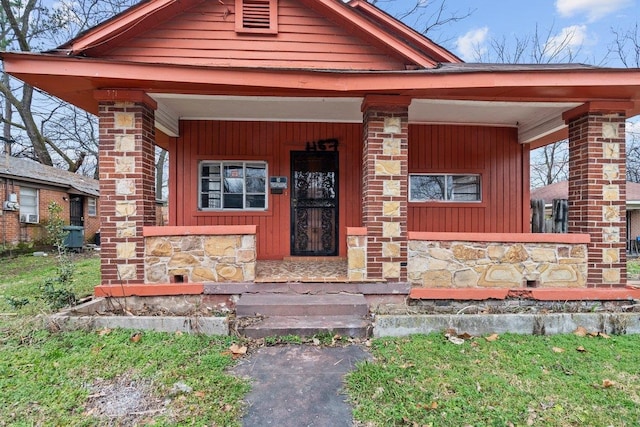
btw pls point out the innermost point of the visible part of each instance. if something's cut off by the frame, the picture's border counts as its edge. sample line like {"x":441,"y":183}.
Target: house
{"x":560,"y":190}
{"x":26,"y":190}
{"x":325,"y":129}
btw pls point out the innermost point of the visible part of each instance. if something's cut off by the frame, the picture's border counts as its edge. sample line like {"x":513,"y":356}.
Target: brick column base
{"x":127,"y":183}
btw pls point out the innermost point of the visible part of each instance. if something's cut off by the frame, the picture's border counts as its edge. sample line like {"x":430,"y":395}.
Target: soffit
{"x":532,"y":119}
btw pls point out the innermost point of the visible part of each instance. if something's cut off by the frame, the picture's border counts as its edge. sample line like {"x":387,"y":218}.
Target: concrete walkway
{"x":296,"y":386}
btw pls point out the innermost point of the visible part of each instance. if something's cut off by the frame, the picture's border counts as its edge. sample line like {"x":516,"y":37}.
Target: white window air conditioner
{"x":29,"y":218}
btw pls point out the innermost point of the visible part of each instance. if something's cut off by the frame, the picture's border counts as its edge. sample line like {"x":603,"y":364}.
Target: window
{"x":257,"y":16}
{"x":29,"y":205}
{"x":233,"y":185}
{"x":444,"y":187}
{"x":92,"y":206}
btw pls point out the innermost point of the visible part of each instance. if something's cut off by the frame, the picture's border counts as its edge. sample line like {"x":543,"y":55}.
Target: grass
{"x":633,"y":266}
{"x":22,"y":276}
{"x":49,"y":378}
{"x":514,"y":381}
{"x":67,"y":378}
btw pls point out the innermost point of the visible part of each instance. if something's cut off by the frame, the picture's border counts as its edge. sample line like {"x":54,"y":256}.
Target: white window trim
{"x":445,"y":175}
{"x":244,"y":164}
{"x":36,"y":208}
{"x":95,"y":206}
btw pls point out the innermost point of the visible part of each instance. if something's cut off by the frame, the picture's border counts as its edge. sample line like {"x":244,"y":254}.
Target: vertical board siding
{"x":205,"y":36}
{"x":491,"y":151}
{"x":272,"y":142}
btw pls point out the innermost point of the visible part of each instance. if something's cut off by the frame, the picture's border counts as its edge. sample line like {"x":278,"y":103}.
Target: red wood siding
{"x":492,"y":152}
{"x":205,"y":35}
{"x":272,"y":142}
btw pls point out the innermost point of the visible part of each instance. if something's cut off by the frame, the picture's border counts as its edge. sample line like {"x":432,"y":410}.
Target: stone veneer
{"x":227,"y":255}
{"x":356,"y":253}
{"x":481,"y":264}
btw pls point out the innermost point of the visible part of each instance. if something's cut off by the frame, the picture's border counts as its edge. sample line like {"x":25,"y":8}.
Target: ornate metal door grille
{"x":314,"y":203}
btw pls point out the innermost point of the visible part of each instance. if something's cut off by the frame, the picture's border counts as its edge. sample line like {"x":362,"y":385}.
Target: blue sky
{"x":585,"y":25}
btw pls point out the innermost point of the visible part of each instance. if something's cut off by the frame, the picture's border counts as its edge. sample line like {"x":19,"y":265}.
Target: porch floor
{"x":317,"y":270}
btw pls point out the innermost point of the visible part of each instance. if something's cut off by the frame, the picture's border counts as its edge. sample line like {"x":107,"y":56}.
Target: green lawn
{"x":514,"y":381}
{"x":49,"y":377}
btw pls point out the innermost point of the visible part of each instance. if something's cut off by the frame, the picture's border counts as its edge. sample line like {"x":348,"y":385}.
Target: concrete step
{"x":305,"y":326}
{"x":270,"y":305}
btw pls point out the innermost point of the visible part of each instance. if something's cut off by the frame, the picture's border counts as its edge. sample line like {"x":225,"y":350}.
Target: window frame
{"x":36,"y":206}
{"x":273,"y":19}
{"x":228,"y":162}
{"x":90,"y":201}
{"x":481,"y":196}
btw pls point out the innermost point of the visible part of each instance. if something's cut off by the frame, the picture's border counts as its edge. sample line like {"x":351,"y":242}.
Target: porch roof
{"x":529,"y":97}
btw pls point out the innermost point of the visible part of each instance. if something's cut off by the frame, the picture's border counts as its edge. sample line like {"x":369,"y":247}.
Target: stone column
{"x":127,"y":182}
{"x":384,"y":184}
{"x":597,"y":188}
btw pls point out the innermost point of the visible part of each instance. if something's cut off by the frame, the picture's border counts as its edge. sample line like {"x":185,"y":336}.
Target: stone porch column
{"x":597,"y":188}
{"x":385,"y":185}
{"x":127,"y":182}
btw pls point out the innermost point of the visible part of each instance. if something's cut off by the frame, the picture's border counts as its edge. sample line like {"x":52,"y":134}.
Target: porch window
{"x":233,"y":185}
{"x":444,"y":187}
{"x":91,"y":206}
{"x":257,"y":16}
{"x":29,"y":205}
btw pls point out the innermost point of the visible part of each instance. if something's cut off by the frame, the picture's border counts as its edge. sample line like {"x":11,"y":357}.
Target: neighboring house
{"x":560,"y":190}
{"x":319,"y":128}
{"x":26,"y":190}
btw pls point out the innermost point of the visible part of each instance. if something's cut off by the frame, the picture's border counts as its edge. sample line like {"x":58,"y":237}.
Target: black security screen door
{"x":76,"y":212}
{"x":314,"y":203}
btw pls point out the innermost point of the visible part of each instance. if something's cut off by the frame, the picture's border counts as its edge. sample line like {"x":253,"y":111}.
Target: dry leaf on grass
{"x":581,"y":349}
{"x":557,"y":350}
{"x":580,"y":331}
{"x":135,"y":337}
{"x":456,"y":340}
{"x":607,"y":383}
{"x":104,"y":331}
{"x":238,"y":350}
{"x":465,"y":336}
{"x":492,"y":337}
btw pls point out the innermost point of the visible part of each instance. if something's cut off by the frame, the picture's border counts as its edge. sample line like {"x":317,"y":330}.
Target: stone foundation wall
{"x":459,"y":264}
{"x":200,"y":258}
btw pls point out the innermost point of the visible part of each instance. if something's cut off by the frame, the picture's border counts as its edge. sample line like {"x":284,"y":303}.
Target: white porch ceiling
{"x":533,"y":119}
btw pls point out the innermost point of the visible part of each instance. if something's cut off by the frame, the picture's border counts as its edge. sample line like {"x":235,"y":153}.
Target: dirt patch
{"x":124,"y":401}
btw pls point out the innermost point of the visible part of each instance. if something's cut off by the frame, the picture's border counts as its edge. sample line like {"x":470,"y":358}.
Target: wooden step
{"x":306,"y":326}
{"x":270,"y":305}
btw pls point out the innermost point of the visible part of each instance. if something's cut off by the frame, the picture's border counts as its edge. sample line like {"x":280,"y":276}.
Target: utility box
{"x":75,"y":237}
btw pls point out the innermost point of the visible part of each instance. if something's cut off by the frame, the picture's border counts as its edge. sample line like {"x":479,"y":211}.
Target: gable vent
{"x":256,"y":16}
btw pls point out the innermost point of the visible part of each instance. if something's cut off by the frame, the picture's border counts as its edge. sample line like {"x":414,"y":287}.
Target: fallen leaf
{"x":580,"y":331}
{"x":456,"y":340}
{"x":475,"y":344}
{"x":104,"y":331}
{"x":367,"y":343}
{"x":429,"y":406}
{"x":581,"y":349}
{"x":239,"y":350}
{"x":465,"y":336}
{"x":593,"y":334}
{"x":557,"y":350}
{"x":316,"y":341}
{"x":450,"y":333}
{"x":608,"y":383}
{"x":492,"y":337}
{"x":603,"y":335}
{"x":178,"y":333}
{"x":199,"y":394}
{"x":135,"y":337}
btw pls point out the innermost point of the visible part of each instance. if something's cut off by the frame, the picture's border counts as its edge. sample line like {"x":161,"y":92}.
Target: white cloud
{"x":471,"y":46}
{"x":569,"y":39}
{"x":593,"y":9}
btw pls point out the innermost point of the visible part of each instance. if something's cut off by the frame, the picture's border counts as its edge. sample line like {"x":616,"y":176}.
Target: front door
{"x":314,"y":203}
{"x":76,"y":211}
